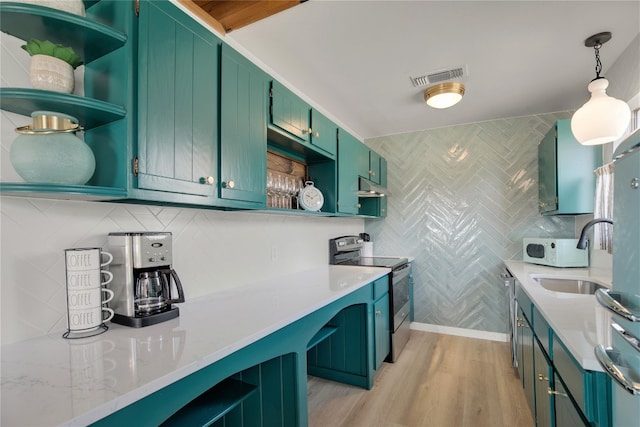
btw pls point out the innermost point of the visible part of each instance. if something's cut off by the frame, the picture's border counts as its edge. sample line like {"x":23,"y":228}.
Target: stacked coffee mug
{"x":86,"y":294}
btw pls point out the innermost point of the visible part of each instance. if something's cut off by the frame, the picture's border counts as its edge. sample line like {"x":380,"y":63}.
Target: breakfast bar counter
{"x":54,"y":381}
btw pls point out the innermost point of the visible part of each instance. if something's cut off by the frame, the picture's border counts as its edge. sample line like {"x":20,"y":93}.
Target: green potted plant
{"x":52,"y":65}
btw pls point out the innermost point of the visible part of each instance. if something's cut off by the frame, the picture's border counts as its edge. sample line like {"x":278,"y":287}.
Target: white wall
{"x":213,"y":250}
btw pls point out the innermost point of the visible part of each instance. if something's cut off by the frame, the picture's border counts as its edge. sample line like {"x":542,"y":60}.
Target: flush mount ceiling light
{"x":602,"y":119}
{"x":444,"y":95}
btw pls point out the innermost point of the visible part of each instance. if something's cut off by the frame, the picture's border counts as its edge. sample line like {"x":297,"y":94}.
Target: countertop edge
{"x":574,"y":339}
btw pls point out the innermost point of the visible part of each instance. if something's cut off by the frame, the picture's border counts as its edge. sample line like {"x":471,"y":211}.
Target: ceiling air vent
{"x":439,"y":76}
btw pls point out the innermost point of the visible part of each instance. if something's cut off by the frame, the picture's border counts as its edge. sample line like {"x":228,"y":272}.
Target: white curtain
{"x":602,"y":233}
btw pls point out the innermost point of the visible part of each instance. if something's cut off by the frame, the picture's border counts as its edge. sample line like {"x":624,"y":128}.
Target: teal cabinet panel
{"x":288,"y":112}
{"x":324,"y":133}
{"x":374,"y":166}
{"x":566,"y":413}
{"x":383,"y":172}
{"x":525,"y":366}
{"x":362,"y":160}
{"x":382,"y":330}
{"x":243,"y":136}
{"x":348,"y":151}
{"x":547,"y":175}
{"x":543,"y":371}
{"x":178,"y":102}
{"x":565,"y":172}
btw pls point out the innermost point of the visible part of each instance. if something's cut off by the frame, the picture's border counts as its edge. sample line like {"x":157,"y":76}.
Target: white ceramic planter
{"x":49,"y":73}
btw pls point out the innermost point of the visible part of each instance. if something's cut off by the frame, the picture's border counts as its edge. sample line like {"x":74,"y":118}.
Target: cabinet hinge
{"x":136,"y":7}
{"x":556,"y":200}
{"x":135,"y":166}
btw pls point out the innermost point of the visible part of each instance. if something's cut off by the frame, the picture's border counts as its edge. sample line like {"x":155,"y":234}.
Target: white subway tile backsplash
{"x":213,"y":250}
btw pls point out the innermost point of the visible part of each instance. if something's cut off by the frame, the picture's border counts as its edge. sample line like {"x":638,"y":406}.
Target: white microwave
{"x":554,"y":252}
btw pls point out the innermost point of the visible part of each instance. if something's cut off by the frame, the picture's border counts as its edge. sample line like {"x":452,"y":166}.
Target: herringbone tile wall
{"x":461,"y":200}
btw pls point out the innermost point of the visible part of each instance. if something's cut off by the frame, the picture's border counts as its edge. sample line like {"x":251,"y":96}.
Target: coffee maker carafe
{"x":143,"y":280}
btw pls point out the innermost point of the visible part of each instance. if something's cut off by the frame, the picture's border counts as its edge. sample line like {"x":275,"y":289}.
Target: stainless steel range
{"x":346,"y":251}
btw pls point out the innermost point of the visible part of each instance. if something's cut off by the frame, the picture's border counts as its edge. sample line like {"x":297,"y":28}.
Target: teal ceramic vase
{"x":49,"y":152}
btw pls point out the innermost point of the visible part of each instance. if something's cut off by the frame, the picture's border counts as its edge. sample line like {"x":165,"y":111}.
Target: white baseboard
{"x":469,"y":333}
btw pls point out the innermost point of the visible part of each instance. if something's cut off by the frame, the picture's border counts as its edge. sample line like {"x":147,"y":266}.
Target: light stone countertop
{"x":573,"y":317}
{"x":52,"y":381}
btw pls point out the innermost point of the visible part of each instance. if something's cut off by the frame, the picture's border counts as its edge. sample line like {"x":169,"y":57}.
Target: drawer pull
{"x":606,"y":299}
{"x":551,"y":392}
{"x":612,"y":368}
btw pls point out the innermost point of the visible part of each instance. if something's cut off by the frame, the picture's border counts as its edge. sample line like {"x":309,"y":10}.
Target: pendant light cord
{"x":598,"y":63}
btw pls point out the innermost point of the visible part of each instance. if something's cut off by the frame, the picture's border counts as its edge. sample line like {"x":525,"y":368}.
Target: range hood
{"x":368,"y":188}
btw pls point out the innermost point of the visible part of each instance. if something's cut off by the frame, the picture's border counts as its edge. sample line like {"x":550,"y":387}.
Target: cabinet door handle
{"x":316,"y":135}
{"x":207,"y":180}
{"x":542,"y":378}
{"x":358,"y":205}
{"x":378,"y":313}
{"x":551,"y":392}
{"x":229,"y":184}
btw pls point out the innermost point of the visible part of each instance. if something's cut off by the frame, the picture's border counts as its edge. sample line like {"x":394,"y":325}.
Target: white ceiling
{"x":353,"y":59}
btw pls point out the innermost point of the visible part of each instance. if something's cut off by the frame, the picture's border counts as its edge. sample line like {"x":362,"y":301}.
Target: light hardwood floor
{"x":438,"y":381}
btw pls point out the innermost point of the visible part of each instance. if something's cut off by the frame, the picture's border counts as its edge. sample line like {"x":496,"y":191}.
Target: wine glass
{"x":279,"y":189}
{"x":270,"y":189}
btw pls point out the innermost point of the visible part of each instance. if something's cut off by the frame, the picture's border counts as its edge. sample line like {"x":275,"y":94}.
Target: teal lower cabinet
{"x":543,"y":371}
{"x":567,"y":415}
{"x":382,"y":330}
{"x":265,"y":383}
{"x":560,"y":393}
{"x":525,"y":362}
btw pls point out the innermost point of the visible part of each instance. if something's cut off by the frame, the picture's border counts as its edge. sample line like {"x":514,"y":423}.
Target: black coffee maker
{"x":143,"y":280}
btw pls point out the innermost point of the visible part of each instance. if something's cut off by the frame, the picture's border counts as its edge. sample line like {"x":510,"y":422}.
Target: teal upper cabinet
{"x":566,"y":180}
{"x":362,"y":160}
{"x":288,"y":112}
{"x":243,"y":136}
{"x":323,"y":133}
{"x":296,"y":127}
{"x":374,"y":166}
{"x":348,"y":151}
{"x":178,"y":103}
{"x":371,"y":165}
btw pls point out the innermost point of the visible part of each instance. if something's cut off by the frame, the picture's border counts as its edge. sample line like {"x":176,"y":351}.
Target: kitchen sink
{"x":569,"y":285}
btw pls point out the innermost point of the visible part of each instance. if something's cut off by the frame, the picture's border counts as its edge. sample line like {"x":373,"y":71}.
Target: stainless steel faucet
{"x":582,"y":243}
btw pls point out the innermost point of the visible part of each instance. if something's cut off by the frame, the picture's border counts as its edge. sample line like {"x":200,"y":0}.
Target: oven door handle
{"x":402,"y":272}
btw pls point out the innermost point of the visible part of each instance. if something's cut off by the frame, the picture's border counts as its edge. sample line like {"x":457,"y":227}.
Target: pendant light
{"x":602,"y":119}
{"x":444,"y":95}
